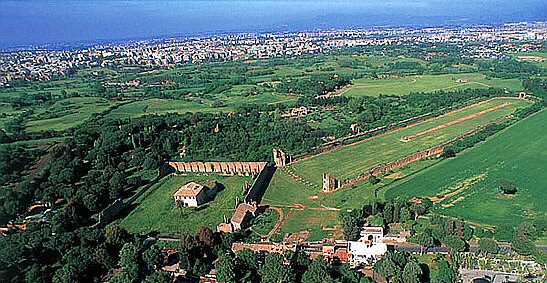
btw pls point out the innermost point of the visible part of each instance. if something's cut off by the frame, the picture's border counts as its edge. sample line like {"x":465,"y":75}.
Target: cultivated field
{"x":517,"y":153}
{"x":156,"y":210}
{"x":428,"y":83}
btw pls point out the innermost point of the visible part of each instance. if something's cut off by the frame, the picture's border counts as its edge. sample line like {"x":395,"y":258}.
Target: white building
{"x":369,"y":245}
{"x":373,"y":234}
{"x":193,"y":194}
{"x":361,"y":251}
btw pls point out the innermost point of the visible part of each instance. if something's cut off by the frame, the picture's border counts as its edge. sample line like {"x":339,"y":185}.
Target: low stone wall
{"x":226,"y":168}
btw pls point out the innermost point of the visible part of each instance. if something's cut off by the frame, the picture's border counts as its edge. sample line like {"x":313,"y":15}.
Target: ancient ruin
{"x":331,"y":184}
{"x":428,"y":131}
{"x":281,"y":158}
{"x":223,"y":168}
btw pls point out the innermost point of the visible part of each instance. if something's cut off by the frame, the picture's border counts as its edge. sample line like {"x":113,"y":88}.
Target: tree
{"x":373,"y":180}
{"x":129,"y":255}
{"x":247,"y":259}
{"x":35,"y":274}
{"x":455,"y":243}
{"x":117,"y":185}
{"x":225,"y":268}
{"x":489,"y":246}
{"x":184,"y":258}
{"x":405,"y":214}
{"x":350,"y":228}
{"x":274,"y":271}
{"x":205,"y":234}
{"x":386,"y":267}
{"x":159,"y":277}
{"x":448,"y":153}
{"x":199,"y":268}
{"x":349,"y":275}
{"x":508,"y":187}
{"x":523,"y":245}
{"x":116,"y":235}
{"x":388,"y":212}
{"x":445,"y":273}
{"x":102,"y":256}
{"x":412,"y":272}
{"x":318,"y":272}
{"x":424,"y":240}
{"x":418,"y":209}
{"x":153,"y":257}
{"x":91,"y":202}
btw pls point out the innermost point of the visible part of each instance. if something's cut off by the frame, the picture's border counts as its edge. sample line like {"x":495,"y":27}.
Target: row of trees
{"x":381,"y":214}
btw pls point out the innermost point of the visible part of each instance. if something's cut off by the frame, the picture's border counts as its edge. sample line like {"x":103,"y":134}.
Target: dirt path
{"x":278,"y":223}
{"x":471,"y":116}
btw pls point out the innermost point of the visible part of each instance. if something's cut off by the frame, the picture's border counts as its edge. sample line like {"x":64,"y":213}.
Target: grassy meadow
{"x":516,"y":153}
{"x":315,"y":209}
{"x":156,"y":210}
{"x":66,"y":113}
{"x":427,"y":83}
{"x":352,"y":160}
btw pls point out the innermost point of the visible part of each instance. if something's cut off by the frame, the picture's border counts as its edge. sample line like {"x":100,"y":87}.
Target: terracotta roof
{"x":191,"y":189}
{"x":372,"y":230}
{"x":240,"y":212}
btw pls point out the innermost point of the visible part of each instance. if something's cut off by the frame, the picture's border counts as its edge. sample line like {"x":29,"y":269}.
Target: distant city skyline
{"x":54,"y":22}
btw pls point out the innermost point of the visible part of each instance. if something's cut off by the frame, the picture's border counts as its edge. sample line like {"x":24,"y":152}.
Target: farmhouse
{"x":193,"y":194}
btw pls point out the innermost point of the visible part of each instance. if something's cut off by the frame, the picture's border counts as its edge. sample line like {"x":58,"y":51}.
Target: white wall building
{"x":192,"y":194}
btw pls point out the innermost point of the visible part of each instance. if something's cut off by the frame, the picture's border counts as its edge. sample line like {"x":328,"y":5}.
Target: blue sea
{"x":39,"y":22}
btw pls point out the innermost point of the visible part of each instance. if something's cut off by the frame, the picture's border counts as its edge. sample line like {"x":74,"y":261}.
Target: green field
{"x":66,"y":113}
{"x":427,"y":83}
{"x":156,"y":210}
{"x":351,"y":160}
{"x":516,"y":153}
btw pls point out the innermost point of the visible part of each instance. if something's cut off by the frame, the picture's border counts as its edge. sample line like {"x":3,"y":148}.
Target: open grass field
{"x":156,"y":210}
{"x":517,"y":153}
{"x":352,"y":160}
{"x":427,"y":83}
{"x":162,"y":106}
{"x":349,"y":161}
{"x":66,"y":113}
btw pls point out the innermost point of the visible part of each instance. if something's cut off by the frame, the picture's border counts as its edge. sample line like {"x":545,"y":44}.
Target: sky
{"x":69,"y":21}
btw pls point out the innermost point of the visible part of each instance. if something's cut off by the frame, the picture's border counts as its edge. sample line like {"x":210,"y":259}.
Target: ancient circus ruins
{"x":330,"y":183}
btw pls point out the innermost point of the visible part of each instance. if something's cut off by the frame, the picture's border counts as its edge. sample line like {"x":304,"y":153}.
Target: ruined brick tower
{"x":280,"y":158}
{"x":329,"y":183}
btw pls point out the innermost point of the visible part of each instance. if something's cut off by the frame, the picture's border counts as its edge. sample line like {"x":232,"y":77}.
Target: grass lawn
{"x":264,"y":223}
{"x":349,"y":161}
{"x":66,"y":113}
{"x":427,"y":83}
{"x":352,"y":160}
{"x":516,"y":153}
{"x":156,"y":210}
